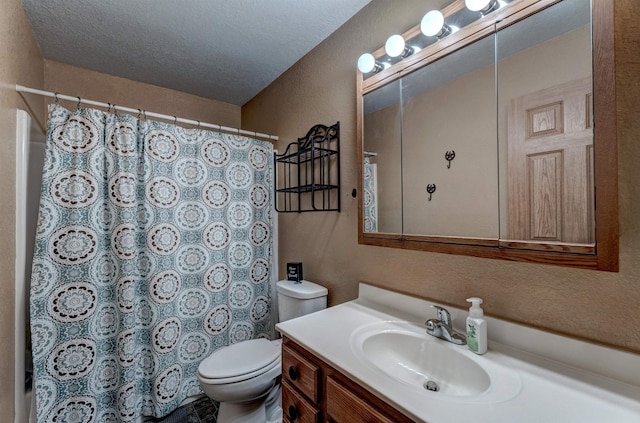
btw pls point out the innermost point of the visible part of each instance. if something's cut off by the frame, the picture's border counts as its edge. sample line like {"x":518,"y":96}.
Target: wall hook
{"x":449,"y":155}
{"x":431,"y":188}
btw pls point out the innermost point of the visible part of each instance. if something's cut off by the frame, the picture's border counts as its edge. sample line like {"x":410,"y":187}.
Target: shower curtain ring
{"x":57,"y":99}
{"x":139,"y":113}
{"x":198,"y":127}
{"x":78,"y":103}
{"x":175,"y":120}
{"x":144,"y":114}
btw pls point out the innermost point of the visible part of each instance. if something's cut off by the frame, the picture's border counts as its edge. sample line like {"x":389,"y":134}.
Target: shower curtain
{"x":370,"y":196}
{"x":153,"y":249}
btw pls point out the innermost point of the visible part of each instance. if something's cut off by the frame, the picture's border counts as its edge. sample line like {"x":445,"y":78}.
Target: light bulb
{"x":394,"y":46}
{"x":366,"y":63}
{"x":432,"y":24}
{"x":482,"y":6}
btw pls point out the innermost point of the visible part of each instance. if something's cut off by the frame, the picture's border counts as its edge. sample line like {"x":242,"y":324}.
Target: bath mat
{"x":203,"y":410}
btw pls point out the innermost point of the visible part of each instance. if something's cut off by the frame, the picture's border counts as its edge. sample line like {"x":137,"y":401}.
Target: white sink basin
{"x":405,"y":353}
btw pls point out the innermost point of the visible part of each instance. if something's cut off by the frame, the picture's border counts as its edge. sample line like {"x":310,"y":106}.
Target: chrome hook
{"x":78,"y":103}
{"x":57,"y":99}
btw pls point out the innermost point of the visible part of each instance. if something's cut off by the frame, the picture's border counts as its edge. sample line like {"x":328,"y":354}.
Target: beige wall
{"x":20,"y":63}
{"x":74,"y":81}
{"x":321,"y":88}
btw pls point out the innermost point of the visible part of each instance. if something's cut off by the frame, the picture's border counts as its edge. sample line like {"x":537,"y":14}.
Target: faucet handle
{"x":443,"y":315}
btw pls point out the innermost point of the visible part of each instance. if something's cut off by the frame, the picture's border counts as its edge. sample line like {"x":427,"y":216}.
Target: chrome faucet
{"x":441,"y":327}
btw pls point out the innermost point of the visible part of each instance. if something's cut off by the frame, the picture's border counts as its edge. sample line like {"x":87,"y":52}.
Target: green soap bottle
{"x":476,"y":327}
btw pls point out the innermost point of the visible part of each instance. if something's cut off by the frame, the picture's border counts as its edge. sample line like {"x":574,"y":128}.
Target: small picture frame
{"x":294,"y":272}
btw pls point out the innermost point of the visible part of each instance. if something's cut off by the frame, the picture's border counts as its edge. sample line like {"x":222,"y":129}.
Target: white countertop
{"x":550,"y":391}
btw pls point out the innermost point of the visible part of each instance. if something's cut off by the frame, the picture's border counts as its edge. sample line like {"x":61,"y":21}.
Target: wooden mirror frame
{"x":605,"y":255}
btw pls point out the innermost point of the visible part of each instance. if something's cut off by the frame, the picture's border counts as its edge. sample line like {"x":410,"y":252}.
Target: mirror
{"x":449,"y":106}
{"x":382,"y":162}
{"x":484,"y":142}
{"x":544,"y":74}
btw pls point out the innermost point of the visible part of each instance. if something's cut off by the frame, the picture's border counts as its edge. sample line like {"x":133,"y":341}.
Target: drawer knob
{"x":293,"y":373}
{"x":293,"y":413}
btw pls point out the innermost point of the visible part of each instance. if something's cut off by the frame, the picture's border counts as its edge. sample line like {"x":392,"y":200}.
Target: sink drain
{"x":431,"y":386}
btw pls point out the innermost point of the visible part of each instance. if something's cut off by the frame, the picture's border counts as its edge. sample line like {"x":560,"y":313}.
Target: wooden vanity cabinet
{"x":315,"y":392}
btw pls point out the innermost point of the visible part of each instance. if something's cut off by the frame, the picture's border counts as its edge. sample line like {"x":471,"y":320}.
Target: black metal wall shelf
{"x":309,"y":166}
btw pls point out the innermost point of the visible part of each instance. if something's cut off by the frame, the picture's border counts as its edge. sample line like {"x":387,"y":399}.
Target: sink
{"x":403,"y":352}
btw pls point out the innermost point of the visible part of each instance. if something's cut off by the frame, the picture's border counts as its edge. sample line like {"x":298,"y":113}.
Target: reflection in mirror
{"x":450,"y":105}
{"x":545,"y":126}
{"x":382,"y":167}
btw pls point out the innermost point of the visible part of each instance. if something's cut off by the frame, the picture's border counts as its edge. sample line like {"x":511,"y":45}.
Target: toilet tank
{"x":296,"y":299}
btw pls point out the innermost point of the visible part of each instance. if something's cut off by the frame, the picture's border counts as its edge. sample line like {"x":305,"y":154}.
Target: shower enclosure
{"x":29,"y":162}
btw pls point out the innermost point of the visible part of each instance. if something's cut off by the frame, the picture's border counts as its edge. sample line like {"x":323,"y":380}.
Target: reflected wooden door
{"x":550,"y":164}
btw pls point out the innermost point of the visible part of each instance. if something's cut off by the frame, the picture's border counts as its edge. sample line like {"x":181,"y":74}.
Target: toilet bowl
{"x":244,"y":377}
{"x":241,"y":372}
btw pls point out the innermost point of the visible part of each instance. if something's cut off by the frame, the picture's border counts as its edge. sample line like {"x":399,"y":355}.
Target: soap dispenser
{"x":476,"y":327}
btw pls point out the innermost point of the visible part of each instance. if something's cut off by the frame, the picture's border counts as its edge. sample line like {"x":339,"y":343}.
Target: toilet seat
{"x":240,"y":361}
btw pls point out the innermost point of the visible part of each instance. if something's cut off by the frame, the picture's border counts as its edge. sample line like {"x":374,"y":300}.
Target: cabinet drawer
{"x":301,"y":373}
{"x":296,"y":408}
{"x":343,"y":406}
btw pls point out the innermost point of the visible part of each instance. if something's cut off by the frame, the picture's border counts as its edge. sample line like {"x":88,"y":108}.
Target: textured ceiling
{"x":226,"y":50}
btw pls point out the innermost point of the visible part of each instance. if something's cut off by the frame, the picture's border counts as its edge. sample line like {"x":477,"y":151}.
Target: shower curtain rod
{"x":20,"y":88}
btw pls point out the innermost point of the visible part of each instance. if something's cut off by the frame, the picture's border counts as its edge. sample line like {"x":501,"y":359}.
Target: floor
{"x":203,"y":410}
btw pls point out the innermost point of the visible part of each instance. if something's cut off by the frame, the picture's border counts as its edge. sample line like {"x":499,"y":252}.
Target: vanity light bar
{"x":432,"y":25}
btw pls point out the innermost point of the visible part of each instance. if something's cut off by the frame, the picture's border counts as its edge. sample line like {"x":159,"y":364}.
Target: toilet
{"x":244,"y":377}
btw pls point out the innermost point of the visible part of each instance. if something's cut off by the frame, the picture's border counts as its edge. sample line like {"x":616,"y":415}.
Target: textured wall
{"x":74,"y":81}
{"x":321,"y":88}
{"x":20,"y":63}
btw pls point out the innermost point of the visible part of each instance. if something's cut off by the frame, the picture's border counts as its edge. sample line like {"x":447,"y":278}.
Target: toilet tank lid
{"x":303,"y":290}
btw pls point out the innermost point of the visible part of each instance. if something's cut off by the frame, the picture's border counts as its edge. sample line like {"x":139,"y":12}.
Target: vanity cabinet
{"x":313,"y":391}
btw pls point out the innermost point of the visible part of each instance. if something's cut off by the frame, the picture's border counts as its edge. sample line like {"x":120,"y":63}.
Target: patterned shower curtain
{"x":153,"y":249}
{"x":370,"y":196}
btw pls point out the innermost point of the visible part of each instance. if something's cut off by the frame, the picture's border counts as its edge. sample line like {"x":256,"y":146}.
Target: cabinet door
{"x":296,"y":408}
{"x":343,"y":406}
